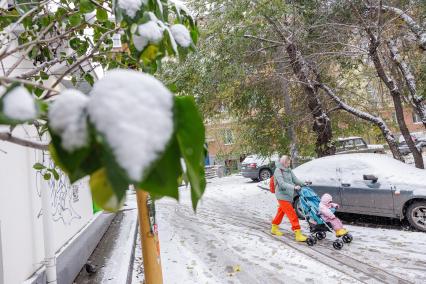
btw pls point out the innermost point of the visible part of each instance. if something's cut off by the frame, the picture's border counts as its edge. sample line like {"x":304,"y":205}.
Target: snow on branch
{"x":7,"y":136}
{"x":415,"y":99}
{"x":415,"y":28}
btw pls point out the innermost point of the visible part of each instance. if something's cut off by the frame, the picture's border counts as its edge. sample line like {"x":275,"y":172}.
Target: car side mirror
{"x":372,"y":178}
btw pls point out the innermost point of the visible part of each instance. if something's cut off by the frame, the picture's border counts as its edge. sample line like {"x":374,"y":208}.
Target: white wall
{"x":20,"y":209}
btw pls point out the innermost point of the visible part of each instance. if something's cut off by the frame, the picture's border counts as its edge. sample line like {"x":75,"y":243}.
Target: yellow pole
{"x":150,"y":242}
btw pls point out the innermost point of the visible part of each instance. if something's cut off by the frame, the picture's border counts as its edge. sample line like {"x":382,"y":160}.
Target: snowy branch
{"x":378,"y":121}
{"x":27,"y":82}
{"x":415,"y":99}
{"x":415,"y":28}
{"x":7,"y":136}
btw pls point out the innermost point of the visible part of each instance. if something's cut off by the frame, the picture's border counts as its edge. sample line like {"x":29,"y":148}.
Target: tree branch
{"x":264,"y":39}
{"x":415,"y":28}
{"x":415,"y":100}
{"x":7,"y":136}
{"x":80,"y":60}
{"x":26,"y":82}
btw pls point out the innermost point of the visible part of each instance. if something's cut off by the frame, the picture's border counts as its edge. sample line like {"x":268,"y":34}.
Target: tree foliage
{"x":68,"y":41}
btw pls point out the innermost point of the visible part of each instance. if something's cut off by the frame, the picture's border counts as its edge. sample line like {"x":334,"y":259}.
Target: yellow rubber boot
{"x":275,"y":230}
{"x":341,"y":232}
{"x":299,"y":236}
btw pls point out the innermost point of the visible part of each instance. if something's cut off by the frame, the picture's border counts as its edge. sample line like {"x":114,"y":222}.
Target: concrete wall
{"x":20,"y":209}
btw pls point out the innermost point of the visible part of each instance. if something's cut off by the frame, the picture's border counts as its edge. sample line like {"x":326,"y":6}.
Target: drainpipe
{"x":48,"y":237}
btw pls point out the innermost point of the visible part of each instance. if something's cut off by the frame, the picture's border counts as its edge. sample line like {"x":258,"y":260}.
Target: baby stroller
{"x":309,"y":204}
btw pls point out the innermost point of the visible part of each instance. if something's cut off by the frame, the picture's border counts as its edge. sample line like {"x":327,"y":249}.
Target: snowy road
{"x":227,"y":241}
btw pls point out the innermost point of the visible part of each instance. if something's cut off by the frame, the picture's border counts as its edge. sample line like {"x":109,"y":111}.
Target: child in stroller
{"x":320,"y":216}
{"x":327,"y":214}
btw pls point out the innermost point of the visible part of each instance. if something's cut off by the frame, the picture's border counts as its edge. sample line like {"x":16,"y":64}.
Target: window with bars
{"x":228,"y":137}
{"x":416,"y":117}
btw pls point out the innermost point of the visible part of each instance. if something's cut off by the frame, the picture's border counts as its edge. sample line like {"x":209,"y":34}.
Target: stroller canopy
{"x":309,"y":203}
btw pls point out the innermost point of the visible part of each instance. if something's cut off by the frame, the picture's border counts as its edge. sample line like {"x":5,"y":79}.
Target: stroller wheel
{"x":320,"y":235}
{"x":347,"y":238}
{"x":338,"y":244}
{"x":310,"y":241}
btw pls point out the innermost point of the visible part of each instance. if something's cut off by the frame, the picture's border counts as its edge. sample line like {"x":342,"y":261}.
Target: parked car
{"x":257,"y":167}
{"x":357,"y":145}
{"x":419,"y":142}
{"x":369,"y":184}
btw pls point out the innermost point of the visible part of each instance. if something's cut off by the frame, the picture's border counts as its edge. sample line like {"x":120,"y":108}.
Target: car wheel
{"x":298,"y":210}
{"x":416,"y":215}
{"x":264,"y":174}
{"x":255,"y":179}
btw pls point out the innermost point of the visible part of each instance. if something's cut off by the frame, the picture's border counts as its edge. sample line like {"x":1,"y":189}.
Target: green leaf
{"x":117,"y":177}
{"x":191,"y":138}
{"x":162,"y":179}
{"x":55,"y":173}
{"x":89,"y":79}
{"x":149,"y":54}
{"x":43,"y":75}
{"x":46,"y":176}
{"x":38,"y":166}
{"x":102,"y":192}
{"x":101,"y":15}
{"x":76,"y":164}
{"x":86,"y":6}
{"x":75,"y":19}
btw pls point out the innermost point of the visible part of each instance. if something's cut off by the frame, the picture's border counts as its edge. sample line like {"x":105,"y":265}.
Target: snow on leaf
{"x":19,"y":104}
{"x":149,"y":32}
{"x":181,"y":35}
{"x":134,"y":112}
{"x":139,"y":42}
{"x":68,"y":119}
{"x":180,"y":6}
{"x":90,"y":18}
{"x":160,"y":6}
{"x":131,"y":7}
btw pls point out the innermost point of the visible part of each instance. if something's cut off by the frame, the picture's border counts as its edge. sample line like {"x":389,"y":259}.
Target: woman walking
{"x":286,"y":183}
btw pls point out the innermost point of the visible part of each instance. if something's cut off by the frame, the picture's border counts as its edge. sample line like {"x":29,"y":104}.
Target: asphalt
{"x":112,"y":260}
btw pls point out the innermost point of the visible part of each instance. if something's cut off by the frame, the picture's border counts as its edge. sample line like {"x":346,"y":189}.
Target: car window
{"x":359,"y":142}
{"x":349,"y":144}
{"x":352,"y":172}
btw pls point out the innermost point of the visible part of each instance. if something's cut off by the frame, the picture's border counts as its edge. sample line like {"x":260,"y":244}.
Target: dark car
{"x":403,"y":147}
{"x":357,"y":145}
{"x":369,"y":184}
{"x":256,"y":167}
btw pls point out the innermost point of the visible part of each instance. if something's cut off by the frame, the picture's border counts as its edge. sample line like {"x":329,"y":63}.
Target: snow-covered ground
{"x":228,"y":241}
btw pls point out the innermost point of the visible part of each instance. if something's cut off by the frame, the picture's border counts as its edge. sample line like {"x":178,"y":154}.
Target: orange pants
{"x":286,"y":208}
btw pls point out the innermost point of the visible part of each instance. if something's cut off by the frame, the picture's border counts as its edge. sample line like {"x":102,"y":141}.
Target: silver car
{"x":258,"y":168}
{"x":370,"y":184}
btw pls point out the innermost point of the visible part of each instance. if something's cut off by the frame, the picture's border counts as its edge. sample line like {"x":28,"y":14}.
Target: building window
{"x":228,"y":137}
{"x":416,"y":118}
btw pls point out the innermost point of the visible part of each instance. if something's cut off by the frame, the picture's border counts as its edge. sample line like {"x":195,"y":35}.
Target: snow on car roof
{"x":384,"y":167}
{"x":348,"y":138}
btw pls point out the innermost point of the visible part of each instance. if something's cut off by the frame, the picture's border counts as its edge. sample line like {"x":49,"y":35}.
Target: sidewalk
{"x":113,"y":257}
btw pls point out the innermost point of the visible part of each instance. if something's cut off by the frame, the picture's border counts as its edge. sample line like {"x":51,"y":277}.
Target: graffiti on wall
{"x":63,"y":195}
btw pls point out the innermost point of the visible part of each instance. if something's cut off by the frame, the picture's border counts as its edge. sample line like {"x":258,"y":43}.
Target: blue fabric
{"x":309,"y":202}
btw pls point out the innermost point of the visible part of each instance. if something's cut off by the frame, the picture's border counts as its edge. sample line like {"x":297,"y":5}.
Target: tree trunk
{"x":386,"y":132}
{"x":294,"y":153}
{"x":322,"y":123}
{"x":418,"y":159}
{"x":290,"y":131}
{"x":415,"y":100}
{"x":396,"y":97}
